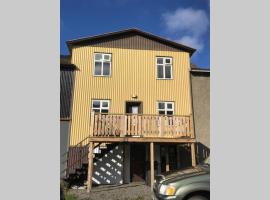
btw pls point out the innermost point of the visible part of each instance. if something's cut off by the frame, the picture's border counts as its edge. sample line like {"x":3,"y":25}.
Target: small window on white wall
{"x":102,"y":64}
{"x":100,"y":106}
{"x":164,"y":67}
{"x":165,"y":108}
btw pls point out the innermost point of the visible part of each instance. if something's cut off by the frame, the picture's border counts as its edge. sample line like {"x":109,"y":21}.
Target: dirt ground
{"x":132,"y":191}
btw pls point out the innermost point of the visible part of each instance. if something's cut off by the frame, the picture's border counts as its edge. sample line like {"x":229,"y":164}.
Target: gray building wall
{"x":64,"y":134}
{"x":200,"y":83}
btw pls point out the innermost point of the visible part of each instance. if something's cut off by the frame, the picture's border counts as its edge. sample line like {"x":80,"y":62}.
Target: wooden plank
{"x":146,"y":121}
{"x":193,"y":154}
{"x":128,"y":124}
{"x":135,"y":123}
{"x":92,"y":119}
{"x":113,"y":127}
{"x":139,"y":125}
{"x":103,"y":125}
{"x":143,"y":126}
{"x":192,"y":131}
{"x":95,"y":125}
{"x":152,"y":170}
{"x":90,"y":166}
{"x":110,"y":125}
{"x":165,"y":126}
{"x":123,"y":126}
{"x":99,"y":125}
{"x":162,"y":126}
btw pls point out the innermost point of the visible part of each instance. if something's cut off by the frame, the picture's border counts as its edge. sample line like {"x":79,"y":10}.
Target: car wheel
{"x":197,"y":197}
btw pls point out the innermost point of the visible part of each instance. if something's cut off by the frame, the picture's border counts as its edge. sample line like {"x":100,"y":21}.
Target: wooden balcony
{"x":144,"y":128}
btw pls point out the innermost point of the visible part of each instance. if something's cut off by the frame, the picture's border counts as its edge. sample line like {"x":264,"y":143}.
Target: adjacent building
{"x":200,"y":84}
{"x":67,"y":75}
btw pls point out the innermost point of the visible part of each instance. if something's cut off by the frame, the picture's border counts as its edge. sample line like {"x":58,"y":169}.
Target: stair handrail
{"x":80,"y":158}
{"x":77,"y":145}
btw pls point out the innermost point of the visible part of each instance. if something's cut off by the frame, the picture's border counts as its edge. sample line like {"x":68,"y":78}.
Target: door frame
{"x":137,"y":102}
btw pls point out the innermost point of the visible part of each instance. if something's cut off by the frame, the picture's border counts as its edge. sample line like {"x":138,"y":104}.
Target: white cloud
{"x":187,"y":26}
{"x":187,"y":19}
{"x":192,"y":42}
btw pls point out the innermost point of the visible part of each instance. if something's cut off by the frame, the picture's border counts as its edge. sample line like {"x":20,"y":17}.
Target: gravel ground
{"x":132,"y":191}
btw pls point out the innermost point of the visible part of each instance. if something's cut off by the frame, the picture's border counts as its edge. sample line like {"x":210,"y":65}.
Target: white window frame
{"x":102,"y":62}
{"x":101,"y":107}
{"x":165,"y":107}
{"x":163,"y":67}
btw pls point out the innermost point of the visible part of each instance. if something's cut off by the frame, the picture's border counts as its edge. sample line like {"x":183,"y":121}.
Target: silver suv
{"x":188,"y":184}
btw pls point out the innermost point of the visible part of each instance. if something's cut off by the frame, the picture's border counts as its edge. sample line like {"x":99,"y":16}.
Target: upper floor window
{"x":103,"y":62}
{"x":165,"y":108}
{"x":100,"y":106}
{"x":164,"y":67}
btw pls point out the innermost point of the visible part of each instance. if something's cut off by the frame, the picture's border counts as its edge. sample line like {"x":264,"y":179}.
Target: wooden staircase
{"x":77,"y":160}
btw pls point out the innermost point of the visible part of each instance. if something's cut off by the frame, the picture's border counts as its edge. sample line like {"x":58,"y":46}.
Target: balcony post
{"x":90,"y":166}
{"x":90,"y":153}
{"x":193,"y":154}
{"x":152,"y":169}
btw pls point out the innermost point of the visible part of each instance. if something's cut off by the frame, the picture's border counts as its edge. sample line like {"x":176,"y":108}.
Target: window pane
{"x":106,"y":68}
{"x":159,"y":60}
{"x":104,"y":111}
{"x":96,"y":104}
{"x":167,"y":71}
{"x":169,"y":112}
{"x":161,"y":112}
{"x":96,"y":110}
{"x":161,"y":105}
{"x":107,"y":57}
{"x":169,"y":105}
{"x":105,"y":104}
{"x":97,"y":68}
{"x":98,"y":56}
{"x":168,"y":61}
{"x":160,"y":71}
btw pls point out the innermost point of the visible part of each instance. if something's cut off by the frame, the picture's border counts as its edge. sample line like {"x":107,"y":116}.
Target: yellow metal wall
{"x":133,"y":72}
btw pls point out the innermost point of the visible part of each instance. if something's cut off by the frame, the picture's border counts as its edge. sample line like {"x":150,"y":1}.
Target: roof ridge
{"x":130,"y":30}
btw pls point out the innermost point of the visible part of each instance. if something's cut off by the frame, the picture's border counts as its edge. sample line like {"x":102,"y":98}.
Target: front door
{"x":133,"y":107}
{"x":137,"y":164}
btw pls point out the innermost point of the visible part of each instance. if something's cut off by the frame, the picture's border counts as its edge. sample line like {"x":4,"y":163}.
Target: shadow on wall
{"x":108,"y":166}
{"x":202,"y":152}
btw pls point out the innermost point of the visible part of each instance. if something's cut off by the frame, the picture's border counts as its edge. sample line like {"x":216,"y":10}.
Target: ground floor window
{"x":100,"y":106}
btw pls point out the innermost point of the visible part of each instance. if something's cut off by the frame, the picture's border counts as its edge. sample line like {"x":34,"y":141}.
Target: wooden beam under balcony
{"x":142,"y":139}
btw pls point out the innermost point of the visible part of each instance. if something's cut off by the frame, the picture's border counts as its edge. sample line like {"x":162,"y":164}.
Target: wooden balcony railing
{"x":117,"y":125}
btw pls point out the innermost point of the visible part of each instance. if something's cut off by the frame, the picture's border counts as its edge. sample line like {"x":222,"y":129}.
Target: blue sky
{"x":184,"y":21}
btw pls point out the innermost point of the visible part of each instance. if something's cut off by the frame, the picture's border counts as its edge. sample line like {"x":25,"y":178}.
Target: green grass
{"x":69,"y":196}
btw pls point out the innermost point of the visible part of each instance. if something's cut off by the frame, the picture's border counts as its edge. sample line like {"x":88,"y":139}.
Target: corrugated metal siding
{"x":66,"y":87}
{"x":133,"y":72}
{"x":132,"y":41}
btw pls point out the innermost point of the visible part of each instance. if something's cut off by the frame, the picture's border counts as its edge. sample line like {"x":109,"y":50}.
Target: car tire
{"x":198,"y":197}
